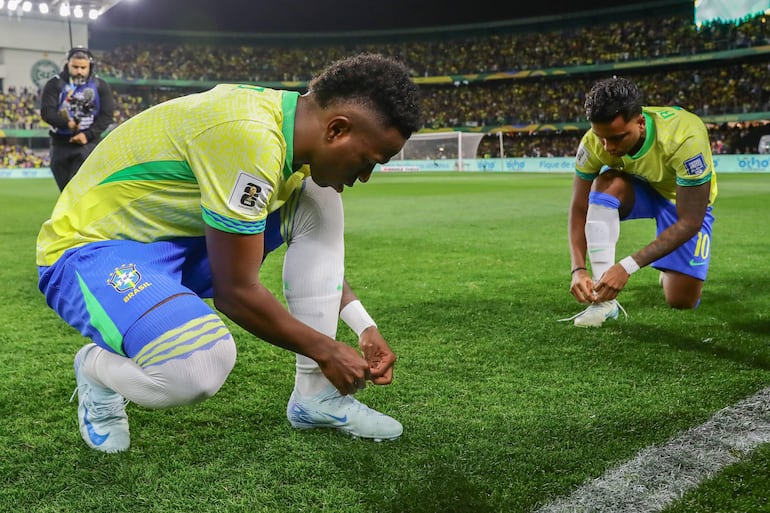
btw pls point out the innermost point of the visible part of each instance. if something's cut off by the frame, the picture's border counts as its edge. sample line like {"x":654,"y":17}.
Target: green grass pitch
{"x":504,"y":409}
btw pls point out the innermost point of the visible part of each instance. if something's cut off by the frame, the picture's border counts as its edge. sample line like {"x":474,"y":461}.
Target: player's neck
{"x":306,"y":128}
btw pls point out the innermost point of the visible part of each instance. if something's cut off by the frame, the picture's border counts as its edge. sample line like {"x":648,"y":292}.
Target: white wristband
{"x":356,"y":317}
{"x":629,"y":264}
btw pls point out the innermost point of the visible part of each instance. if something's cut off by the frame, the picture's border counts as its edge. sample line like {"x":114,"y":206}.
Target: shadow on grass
{"x":733,"y":313}
{"x":729,"y":316}
{"x":739,"y":307}
{"x":646,"y":333}
{"x":442,"y":488}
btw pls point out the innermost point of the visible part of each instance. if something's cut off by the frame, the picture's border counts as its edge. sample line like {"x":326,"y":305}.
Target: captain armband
{"x":356,"y":317}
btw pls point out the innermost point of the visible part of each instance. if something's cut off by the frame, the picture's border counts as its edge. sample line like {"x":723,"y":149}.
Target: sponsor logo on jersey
{"x":250,"y":195}
{"x":582,"y":156}
{"x":696,"y":165}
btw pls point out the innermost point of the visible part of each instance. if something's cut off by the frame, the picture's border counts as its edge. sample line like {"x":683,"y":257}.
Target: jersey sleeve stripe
{"x":230,"y":225}
{"x":586,"y":176}
{"x":690,"y":183}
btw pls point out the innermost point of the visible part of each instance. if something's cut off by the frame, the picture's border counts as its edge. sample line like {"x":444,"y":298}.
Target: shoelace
{"x":346,"y":402}
{"x":110,"y":408}
{"x":620,"y":307}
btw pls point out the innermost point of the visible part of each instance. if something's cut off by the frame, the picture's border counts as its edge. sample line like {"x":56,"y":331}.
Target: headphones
{"x":82,"y":52}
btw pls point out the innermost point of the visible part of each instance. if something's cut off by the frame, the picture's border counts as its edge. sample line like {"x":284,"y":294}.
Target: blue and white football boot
{"x":330,"y":409}
{"x":101,"y":411}
{"x":596,"y":313}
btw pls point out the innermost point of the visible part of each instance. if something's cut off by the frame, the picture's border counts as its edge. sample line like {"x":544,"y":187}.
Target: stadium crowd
{"x":648,"y":38}
{"x":737,"y":88}
{"x":726,"y":138}
{"x":16,"y":156}
{"x":20,"y":109}
{"x":515,"y":104}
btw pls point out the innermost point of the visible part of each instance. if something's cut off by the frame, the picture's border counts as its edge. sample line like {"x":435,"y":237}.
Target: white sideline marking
{"x":660,"y":475}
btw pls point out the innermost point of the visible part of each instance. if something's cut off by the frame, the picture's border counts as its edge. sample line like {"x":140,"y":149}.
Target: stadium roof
{"x":340,"y":15}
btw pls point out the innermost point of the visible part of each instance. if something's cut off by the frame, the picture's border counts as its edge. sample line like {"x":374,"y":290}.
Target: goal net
{"x":449,"y":148}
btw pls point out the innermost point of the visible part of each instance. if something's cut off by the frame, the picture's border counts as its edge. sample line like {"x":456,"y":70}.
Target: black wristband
{"x":576,"y":269}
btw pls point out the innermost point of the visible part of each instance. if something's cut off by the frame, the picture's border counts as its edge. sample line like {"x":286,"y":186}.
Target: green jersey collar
{"x":649,"y":138}
{"x":289,"y":107}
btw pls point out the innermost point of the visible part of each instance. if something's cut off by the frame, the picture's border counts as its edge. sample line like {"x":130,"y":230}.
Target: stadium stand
{"x":527,"y":83}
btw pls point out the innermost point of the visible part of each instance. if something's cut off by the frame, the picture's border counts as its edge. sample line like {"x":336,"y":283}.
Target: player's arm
{"x":582,"y":284}
{"x":235,"y":261}
{"x":691,"y":205}
{"x":692,"y":200}
{"x":376,"y":350}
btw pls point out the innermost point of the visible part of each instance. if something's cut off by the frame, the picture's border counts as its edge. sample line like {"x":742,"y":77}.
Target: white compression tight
{"x":313,"y":272}
{"x":174,"y":382}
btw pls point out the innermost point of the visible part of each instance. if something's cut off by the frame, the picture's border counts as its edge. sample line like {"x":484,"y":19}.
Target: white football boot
{"x":330,"y":409}
{"x":101,"y":411}
{"x":596,"y":313}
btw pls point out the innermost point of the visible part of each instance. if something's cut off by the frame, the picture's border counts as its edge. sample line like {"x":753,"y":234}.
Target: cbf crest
{"x":125,"y":278}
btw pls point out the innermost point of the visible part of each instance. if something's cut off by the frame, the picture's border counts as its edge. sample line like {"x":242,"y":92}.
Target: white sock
{"x":321,"y":314}
{"x":602,"y":233}
{"x":313,"y":272}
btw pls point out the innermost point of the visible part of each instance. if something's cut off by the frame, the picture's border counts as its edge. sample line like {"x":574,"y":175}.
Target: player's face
{"x":351,"y":149}
{"x":621,"y":137}
{"x":78,"y":69}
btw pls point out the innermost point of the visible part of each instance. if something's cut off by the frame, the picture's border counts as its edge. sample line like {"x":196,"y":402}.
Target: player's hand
{"x":345,"y":368}
{"x":582,"y":287}
{"x":79,"y":138}
{"x":611,"y":283}
{"x":378,"y":355}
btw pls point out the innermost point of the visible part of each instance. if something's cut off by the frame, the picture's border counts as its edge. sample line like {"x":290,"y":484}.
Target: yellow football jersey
{"x":222,"y":157}
{"x":676,"y":152}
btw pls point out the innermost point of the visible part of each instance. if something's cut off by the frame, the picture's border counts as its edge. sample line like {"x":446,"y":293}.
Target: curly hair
{"x":373,"y":80}
{"x":610,"y":97}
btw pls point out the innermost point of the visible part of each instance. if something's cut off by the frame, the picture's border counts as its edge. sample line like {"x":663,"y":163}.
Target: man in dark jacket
{"x":79,"y":107}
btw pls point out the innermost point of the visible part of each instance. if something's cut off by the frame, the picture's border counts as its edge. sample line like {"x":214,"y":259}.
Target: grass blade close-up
{"x":504,"y":408}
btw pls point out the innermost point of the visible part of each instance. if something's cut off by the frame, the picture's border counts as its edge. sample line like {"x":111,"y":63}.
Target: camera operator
{"x":79,"y":107}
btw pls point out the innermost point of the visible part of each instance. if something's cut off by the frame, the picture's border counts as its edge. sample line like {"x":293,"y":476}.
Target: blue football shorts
{"x":693,"y":257}
{"x":103,"y":288}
